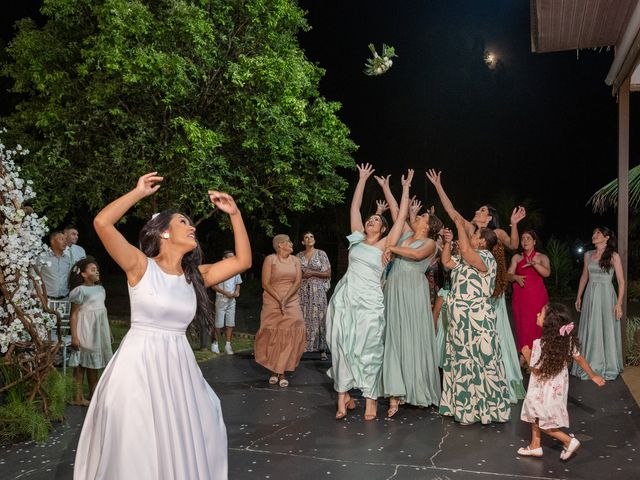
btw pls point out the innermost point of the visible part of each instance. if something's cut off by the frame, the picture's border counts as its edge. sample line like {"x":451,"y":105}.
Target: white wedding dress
{"x":153,"y":416}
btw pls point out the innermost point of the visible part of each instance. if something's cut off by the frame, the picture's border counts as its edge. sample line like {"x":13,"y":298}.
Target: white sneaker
{"x":227,"y":349}
{"x":574,"y":445}
{"x":215,"y":348}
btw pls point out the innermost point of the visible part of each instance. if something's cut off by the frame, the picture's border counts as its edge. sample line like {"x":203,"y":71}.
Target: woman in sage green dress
{"x":355,"y":315}
{"x":410,"y":366}
{"x":474,"y":386}
{"x":600,"y":309}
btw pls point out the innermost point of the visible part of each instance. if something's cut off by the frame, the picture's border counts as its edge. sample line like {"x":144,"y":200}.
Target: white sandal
{"x":530,"y":452}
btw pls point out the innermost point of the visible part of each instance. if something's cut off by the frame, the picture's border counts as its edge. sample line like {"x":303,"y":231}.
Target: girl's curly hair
{"x":557,"y":350}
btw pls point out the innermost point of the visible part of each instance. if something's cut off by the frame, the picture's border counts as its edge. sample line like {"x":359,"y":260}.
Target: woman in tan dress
{"x":280,"y":341}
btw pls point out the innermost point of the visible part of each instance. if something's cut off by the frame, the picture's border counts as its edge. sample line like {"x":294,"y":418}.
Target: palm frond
{"x":607,"y":196}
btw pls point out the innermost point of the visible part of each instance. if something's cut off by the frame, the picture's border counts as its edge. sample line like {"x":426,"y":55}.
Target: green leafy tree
{"x":210,"y":93}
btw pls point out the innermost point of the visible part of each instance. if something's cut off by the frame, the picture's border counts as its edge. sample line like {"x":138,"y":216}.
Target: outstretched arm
{"x":512,"y":241}
{"x":128,"y":257}
{"x":434,"y":178}
{"x":365,"y":170}
{"x":388,"y":196}
{"x":445,"y":256}
{"x":425,"y":250}
{"x":398,"y":224}
{"x":597,"y":379}
{"x":227,"y":268}
{"x":467,"y":252}
{"x":381,"y":207}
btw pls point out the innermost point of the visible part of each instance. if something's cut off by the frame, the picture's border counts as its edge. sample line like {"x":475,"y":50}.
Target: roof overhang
{"x":558,"y":25}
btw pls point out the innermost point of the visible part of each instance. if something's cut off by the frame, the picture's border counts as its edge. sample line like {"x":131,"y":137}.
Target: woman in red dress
{"x":527,"y":271}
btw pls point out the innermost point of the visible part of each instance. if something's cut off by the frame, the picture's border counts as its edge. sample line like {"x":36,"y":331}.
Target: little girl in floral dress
{"x":90,"y":332}
{"x":545,"y":406}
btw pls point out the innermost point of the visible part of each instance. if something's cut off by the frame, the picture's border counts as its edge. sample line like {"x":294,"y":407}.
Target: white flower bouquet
{"x":379,"y":64}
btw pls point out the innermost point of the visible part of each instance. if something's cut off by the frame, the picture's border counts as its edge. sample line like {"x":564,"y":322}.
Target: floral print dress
{"x":313,"y":300}
{"x":546,"y":399}
{"x":474,"y":386}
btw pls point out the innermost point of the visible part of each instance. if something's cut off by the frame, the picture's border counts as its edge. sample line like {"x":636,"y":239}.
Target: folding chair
{"x":64,"y":308}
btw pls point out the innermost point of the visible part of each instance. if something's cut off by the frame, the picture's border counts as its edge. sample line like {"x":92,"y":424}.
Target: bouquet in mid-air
{"x":379,"y":64}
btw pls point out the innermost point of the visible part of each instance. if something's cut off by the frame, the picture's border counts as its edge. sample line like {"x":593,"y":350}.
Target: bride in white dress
{"x":153,"y":415}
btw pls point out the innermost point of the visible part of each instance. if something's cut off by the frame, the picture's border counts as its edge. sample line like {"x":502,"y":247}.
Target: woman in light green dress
{"x":600,"y":309}
{"x":410,"y":367}
{"x":474,"y":386}
{"x":355,"y":314}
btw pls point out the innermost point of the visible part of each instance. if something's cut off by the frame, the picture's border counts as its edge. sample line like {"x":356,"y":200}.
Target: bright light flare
{"x":490,"y":59}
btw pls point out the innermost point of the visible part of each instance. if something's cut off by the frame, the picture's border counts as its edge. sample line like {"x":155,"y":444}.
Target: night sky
{"x":542,"y":126}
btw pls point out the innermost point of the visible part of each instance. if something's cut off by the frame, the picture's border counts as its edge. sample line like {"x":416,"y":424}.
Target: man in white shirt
{"x":55,"y":267}
{"x":226,"y":294}
{"x":76,"y":252}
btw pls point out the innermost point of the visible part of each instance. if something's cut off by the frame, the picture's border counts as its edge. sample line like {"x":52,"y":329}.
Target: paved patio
{"x":277,"y":433}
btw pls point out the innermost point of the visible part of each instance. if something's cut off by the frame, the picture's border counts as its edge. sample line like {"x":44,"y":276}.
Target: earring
{"x":165,"y":235}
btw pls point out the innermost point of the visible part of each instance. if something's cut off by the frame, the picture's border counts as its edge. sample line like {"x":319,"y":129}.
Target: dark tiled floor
{"x":277,"y":433}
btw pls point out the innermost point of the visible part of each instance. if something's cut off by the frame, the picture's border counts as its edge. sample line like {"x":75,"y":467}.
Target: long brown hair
{"x":435,"y":225}
{"x":557,"y":349}
{"x":501,"y":272}
{"x":149,"y":242}
{"x":606,"y":258}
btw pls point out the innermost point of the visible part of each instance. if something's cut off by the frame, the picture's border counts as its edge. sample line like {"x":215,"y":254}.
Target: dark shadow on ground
{"x":290,"y":433}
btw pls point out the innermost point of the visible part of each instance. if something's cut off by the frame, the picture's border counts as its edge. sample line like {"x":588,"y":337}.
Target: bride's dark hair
{"x":149,"y":242}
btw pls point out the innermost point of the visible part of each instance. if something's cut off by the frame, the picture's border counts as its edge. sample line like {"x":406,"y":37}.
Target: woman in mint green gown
{"x":600,"y":308}
{"x":410,"y":366}
{"x":509,"y":352}
{"x":355,"y":314}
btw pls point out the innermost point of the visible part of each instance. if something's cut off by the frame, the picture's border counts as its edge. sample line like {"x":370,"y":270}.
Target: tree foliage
{"x":607,"y":196}
{"x":210,"y":93}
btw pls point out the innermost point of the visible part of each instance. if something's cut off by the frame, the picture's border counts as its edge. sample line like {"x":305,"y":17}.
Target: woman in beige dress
{"x":280,"y":341}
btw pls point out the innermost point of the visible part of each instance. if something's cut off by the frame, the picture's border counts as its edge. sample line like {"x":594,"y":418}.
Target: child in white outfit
{"x":226,"y":294}
{"x":90,"y":332}
{"x":545,"y":406}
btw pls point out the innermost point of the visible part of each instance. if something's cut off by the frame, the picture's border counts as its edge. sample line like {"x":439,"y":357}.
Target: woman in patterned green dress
{"x":474,"y":385}
{"x":487,"y":217}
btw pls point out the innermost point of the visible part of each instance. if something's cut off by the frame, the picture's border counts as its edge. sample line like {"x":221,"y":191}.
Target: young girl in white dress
{"x":90,"y":332}
{"x":545,"y":406}
{"x":153,"y":414}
